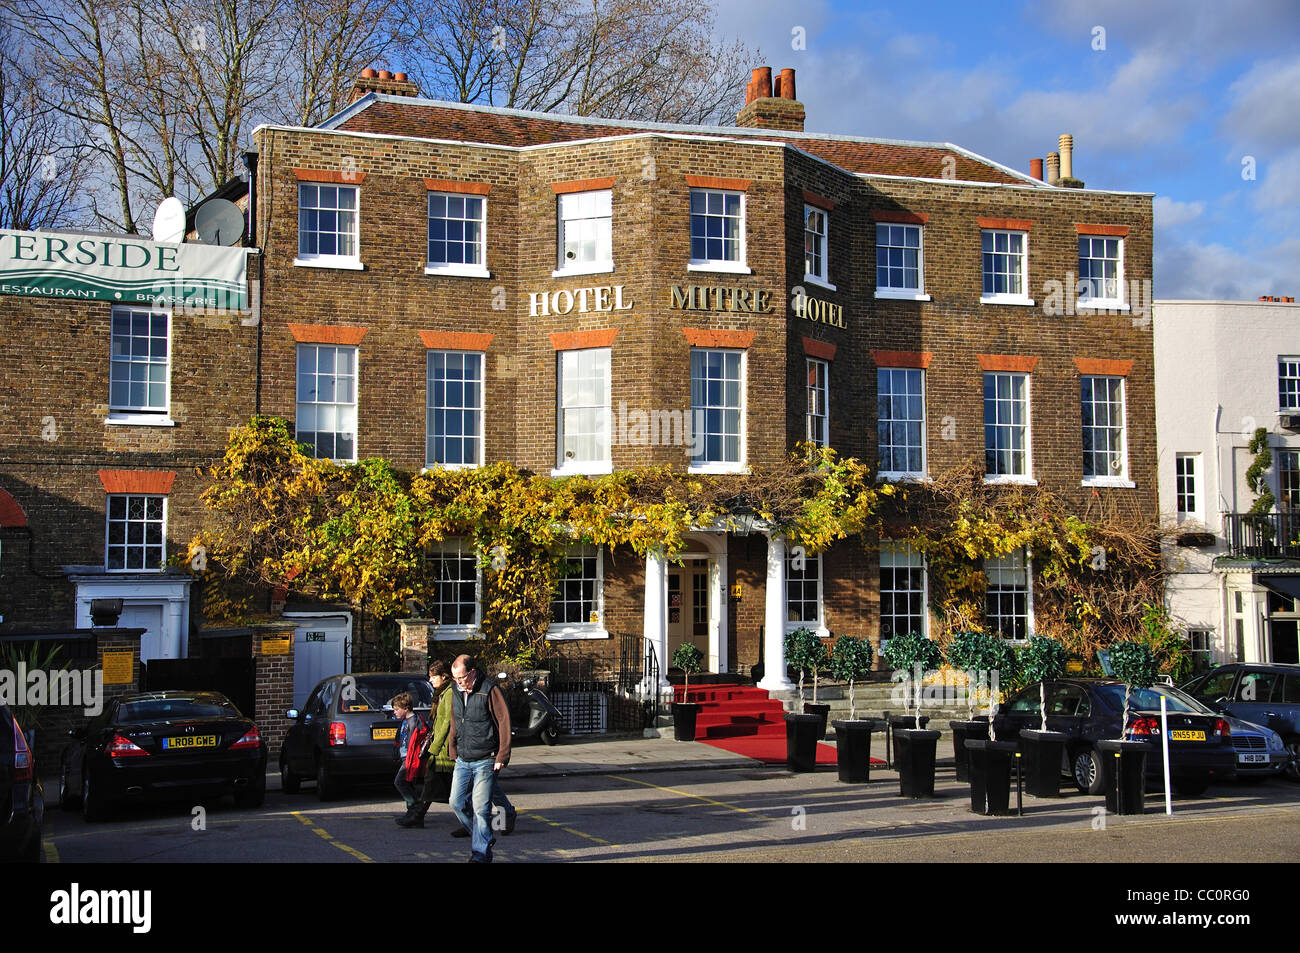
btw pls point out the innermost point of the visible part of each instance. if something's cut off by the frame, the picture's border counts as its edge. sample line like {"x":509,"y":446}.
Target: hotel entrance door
{"x":688,"y":607}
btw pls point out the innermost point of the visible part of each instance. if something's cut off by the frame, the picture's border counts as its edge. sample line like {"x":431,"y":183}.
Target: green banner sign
{"x":123,"y":269}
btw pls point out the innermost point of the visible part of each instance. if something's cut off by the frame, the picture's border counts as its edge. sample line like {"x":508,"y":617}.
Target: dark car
{"x":159,"y":746}
{"x":346,"y":730}
{"x":20,"y":794}
{"x":1263,"y":694}
{"x":1090,"y":710}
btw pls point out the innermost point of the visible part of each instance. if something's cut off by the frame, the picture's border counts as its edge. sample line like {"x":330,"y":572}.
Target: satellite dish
{"x":219,"y":222}
{"x":169,"y":221}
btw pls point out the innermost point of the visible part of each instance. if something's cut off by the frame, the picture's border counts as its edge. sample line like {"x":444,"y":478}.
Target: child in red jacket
{"x":410,"y":739}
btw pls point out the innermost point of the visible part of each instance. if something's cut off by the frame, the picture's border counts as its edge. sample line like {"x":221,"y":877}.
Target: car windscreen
{"x":1148,"y":699}
{"x":374,"y":692}
{"x":178,"y":708}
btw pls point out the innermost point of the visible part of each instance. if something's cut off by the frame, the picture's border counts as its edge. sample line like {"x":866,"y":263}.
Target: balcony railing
{"x":1263,"y":535}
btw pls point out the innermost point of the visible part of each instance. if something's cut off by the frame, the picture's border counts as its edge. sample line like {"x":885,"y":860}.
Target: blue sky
{"x":1182,"y":94}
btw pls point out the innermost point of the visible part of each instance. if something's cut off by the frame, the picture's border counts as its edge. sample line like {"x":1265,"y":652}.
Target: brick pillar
{"x":273,"y":670}
{"x":113,"y":644}
{"x":415,"y":644}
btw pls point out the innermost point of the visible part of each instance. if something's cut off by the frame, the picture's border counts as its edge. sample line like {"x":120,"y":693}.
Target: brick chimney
{"x":382,"y":81}
{"x":771,"y":105}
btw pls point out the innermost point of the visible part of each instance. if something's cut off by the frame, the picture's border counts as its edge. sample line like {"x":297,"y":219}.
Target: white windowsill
{"x":721,"y":267}
{"x":595,"y":268}
{"x":458,"y":271}
{"x":892,"y":295}
{"x":581,"y":469}
{"x":819,"y":282}
{"x":347,"y":264}
{"x":717,"y":468}
{"x":1010,"y":480}
{"x":1099,"y":304}
{"x":1120,"y":482}
{"x":904,"y":477}
{"x":455,"y":633}
{"x":139,"y":420}
{"x":450,"y":466}
{"x":1007,"y":299}
{"x":817,"y":628}
{"x":594,"y":630}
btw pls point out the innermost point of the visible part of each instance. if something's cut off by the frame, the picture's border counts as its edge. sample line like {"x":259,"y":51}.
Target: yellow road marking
{"x":334,"y":842}
{"x":51,"y":853}
{"x":569,"y":830}
{"x":697,"y":797}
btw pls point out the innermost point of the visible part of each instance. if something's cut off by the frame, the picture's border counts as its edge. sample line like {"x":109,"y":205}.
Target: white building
{"x":1223,"y":370}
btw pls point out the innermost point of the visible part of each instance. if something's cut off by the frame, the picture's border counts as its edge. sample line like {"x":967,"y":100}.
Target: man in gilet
{"x":480,"y":744}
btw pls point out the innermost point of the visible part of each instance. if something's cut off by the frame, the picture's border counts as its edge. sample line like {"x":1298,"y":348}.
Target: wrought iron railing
{"x":1263,"y":535}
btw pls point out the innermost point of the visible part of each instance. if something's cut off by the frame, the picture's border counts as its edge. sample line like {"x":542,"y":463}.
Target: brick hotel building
{"x":448,"y":285}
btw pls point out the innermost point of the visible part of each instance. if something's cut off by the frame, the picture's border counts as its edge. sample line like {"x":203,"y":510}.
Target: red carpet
{"x":745,"y":721}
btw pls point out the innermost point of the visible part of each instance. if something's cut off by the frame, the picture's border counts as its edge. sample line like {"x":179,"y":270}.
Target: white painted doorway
{"x":319,"y":649}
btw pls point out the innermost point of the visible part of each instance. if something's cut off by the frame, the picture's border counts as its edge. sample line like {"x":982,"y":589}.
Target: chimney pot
{"x":787,"y":84}
{"x":400,"y":77}
{"x":1053,"y":168}
{"x":1066,"y":143}
{"x":764,"y":83}
{"x":776,"y":86}
{"x":1263,"y":297}
{"x":1036,"y":169}
{"x":384,"y":74}
{"x":369,"y":74}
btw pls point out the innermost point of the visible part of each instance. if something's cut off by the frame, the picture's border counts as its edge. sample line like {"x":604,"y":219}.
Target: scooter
{"x":531,"y":713}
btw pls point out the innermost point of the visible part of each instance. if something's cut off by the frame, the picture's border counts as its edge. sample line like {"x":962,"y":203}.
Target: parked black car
{"x":1264,"y":694}
{"x":159,"y":746}
{"x":347,"y":730}
{"x":1090,"y":710}
{"x":20,"y":793}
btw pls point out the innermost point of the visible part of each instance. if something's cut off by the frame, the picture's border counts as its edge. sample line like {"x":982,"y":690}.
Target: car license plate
{"x":189,"y":741}
{"x":383,"y":734}
{"x":1252,"y":759}
{"x":1186,"y":735}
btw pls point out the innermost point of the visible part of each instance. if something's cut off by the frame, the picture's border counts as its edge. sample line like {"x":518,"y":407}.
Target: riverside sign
{"x":122,"y":269}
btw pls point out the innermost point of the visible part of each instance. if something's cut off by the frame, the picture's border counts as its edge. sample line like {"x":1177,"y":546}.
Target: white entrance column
{"x":717,"y":660}
{"x":774,"y":679}
{"x":656,"y":617}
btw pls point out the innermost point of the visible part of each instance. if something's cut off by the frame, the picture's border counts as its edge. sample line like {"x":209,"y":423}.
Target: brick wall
{"x":274,"y":680}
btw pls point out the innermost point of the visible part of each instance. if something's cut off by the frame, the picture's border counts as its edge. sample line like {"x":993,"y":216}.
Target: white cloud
{"x":1264,"y":105}
{"x":1186,"y":269}
{"x":1170,"y":214}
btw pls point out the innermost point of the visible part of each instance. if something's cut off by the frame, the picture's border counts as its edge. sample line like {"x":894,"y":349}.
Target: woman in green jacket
{"x":437,"y":777}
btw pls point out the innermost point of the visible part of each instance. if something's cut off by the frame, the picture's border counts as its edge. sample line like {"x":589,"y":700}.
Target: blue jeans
{"x":472,"y":781}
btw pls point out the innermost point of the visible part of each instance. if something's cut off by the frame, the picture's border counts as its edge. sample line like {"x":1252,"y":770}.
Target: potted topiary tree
{"x":689,"y":659}
{"x":1124,"y":760}
{"x":1042,"y":660}
{"x":805,"y":653}
{"x":851,"y":660}
{"x":914,"y":748}
{"x":977,"y":654}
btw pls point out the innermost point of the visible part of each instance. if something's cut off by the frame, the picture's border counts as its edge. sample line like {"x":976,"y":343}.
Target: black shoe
{"x":510,"y":822}
{"x":460,"y":832}
{"x":414,"y":817}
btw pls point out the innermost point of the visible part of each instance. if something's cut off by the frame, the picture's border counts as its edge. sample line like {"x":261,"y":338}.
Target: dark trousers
{"x":437,"y":787}
{"x":404,"y":787}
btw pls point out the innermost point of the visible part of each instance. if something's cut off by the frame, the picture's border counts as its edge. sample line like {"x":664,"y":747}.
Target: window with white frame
{"x":327,"y":224}
{"x":1200,"y":644}
{"x":1104,"y":454}
{"x":816,"y":251}
{"x":454,"y":411}
{"x":136,"y":533}
{"x":583,"y":381}
{"x":899,"y":259}
{"x":138,"y":366}
{"x":585,"y":232}
{"x":902,"y":591}
{"x":717,"y":409}
{"x":818,"y":416}
{"x":1288,"y":384}
{"x":1288,"y":479}
{"x":718,"y":229}
{"x":454,"y":584}
{"x":1187,"y":485}
{"x":1101,"y":274}
{"x":900,"y":420}
{"x":327,"y":400}
{"x":457,"y":234}
{"x":1008,"y":601}
{"x":577,"y":601}
{"x":1006,"y":425}
{"x":1005,"y":265}
{"x":803,"y":590}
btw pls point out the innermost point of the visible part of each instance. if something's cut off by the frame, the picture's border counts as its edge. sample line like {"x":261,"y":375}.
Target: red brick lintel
{"x":820,"y":201}
{"x":714,"y":182}
{"x":1117,"y":231}
{"x":327,"y":334}
{"x":456,"y":340}
{"x":823,"y":349}
{"x":919,"y":359}
{"x":900,"y":217}
{"x":579,"y":340}
{"x":1018,"y":363}
{"x":582,"y":185}
{"x":1098,"y":365}
{"x":153,"y":482}
{"x":1010,"y":224}
{"x":717,"y":337}
{"x":451,"y":185}
{"x":333,"y":175}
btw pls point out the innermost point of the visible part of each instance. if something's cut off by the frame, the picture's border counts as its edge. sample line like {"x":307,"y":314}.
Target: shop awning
{"x":1284,"y":585}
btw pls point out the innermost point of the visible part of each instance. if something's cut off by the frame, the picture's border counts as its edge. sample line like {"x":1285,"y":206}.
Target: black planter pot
{"x":1041,"y":753}
{"x":1124,"y":767}
{"x":914,"y":758}
{"x":821,"y":711}
{"x":853,"y":749}
{"x":801,"y":741}
{"x":990,"y":776}
{"x":684,"y":720}
{"x":961,"y":732}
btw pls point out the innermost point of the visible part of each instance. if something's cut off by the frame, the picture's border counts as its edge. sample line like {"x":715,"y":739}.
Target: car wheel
{"x":254,"y":795}
{"x":550,"y":735}
{"x":91,"y":807}
{"x":1087,"y":771}
{"x":1194,"y":788}
{"x":326,"y":784}
{"x":290,"y":783}
{"x":1293,"y":768}
{"x":67,"y":800}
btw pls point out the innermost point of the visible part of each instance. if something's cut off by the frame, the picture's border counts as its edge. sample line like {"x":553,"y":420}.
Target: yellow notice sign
{"x":119,"y":665}
{"x":1073,"y":666}
{"x":276,"y":645}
